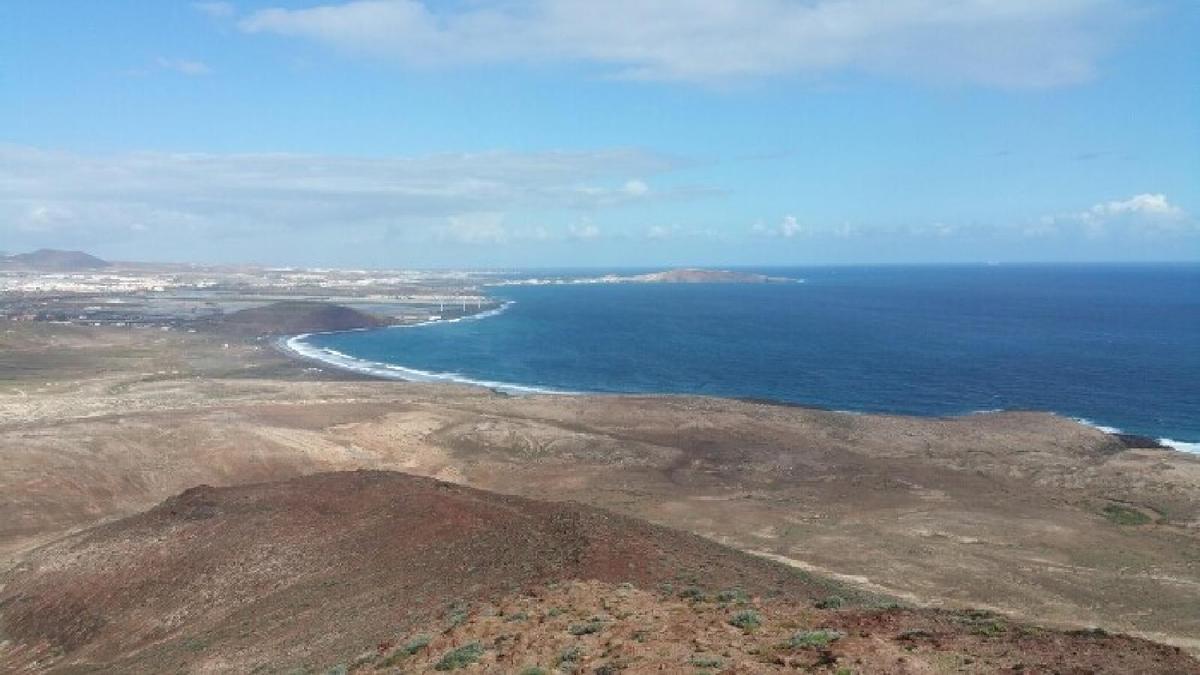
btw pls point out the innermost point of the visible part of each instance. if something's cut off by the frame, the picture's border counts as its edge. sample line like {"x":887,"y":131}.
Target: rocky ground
{"x":388,"y":572}
{"x":1031,"y":515}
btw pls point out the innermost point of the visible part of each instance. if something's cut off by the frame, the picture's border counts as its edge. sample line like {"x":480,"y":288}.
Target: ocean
{"x":1115,"y":345}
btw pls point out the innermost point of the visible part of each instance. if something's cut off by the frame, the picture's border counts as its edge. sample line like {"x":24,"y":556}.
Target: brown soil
{"x":313,"y":568}
{"x":594,"y":627}
{"x":1027,"y":514}
{"x":310,"y":572}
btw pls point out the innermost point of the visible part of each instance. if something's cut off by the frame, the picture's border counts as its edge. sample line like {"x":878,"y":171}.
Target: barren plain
{"x":1030,"y":515}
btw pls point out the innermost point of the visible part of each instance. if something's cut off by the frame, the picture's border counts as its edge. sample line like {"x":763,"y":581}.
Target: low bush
{"x":460,"y":658}
{"x":813,"y":638}
{"x":747,"y":620}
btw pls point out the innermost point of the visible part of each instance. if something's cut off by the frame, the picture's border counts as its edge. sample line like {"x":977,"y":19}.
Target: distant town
{"x":74,"y":287}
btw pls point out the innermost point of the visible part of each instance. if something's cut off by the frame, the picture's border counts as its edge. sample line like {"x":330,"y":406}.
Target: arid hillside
{"x":384,"y":571}
{"x":1030,"y":515}
{"x":311,"y":570}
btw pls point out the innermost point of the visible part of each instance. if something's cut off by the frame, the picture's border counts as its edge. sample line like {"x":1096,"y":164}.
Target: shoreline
{"x":923,"y":506}
{"x":294,"y":347}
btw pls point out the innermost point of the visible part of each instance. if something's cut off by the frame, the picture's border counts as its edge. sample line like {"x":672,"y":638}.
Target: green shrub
{"x":1124,"y":515}
{"x":593,"y":625}
{"x":460,"y":658}
{"x":747,"y":620}
{"x":570,"y":655}
{"x":691,"y":593}
{"x":456,"y":617}
{"x":813,"y":638}
{"x":988,"y":628}
{"x":704,"y":661}
{"x":415,"y":645}
{"x":534,"y":670}
{"x":736,"y":595}
{"x":832,"y":602}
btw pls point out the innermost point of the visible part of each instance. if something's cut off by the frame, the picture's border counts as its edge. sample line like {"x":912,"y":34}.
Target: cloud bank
{"x":1142,"y":215}
{"x":1014,"y":43}
{"x":62,"y":196}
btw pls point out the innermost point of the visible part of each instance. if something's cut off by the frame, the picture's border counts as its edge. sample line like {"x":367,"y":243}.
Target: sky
{"x":568,"y":133}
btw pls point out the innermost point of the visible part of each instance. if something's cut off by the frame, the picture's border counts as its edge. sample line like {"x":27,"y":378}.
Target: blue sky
{"x":630,"y":132}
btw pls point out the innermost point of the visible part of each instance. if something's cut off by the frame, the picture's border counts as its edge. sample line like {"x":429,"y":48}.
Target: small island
{"x":684,"y":275}
{"x":694,"y":275}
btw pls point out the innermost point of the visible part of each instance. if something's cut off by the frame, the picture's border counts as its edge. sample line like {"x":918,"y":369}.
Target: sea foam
{"x":1181,"y":446}
{"x":337,"y":359}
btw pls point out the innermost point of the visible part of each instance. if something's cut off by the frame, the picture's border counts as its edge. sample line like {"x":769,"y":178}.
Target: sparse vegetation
{"x":194,"y":644}
{"x":809,"y":639}
{"x":592,"y":625}
{"x":832,"y":602}
{"x":456,"y":617}
{"x":570,"y":655}
{"x":1125,"y":515}
{"x":747,"y":620}
{"x":984,"y":623}
{"x":416,"y":644}
{"x":706,"y":661}
{"x":988,"y":629}
{"x":534,"y":670}
{"x":408,"y":649}
{"x":691,"y":593}
{"x":733,"y":595}
{"x":460,"y":658}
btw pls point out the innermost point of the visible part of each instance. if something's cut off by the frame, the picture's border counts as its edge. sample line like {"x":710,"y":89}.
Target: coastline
{"x":925,"y":506}
{"x":295,"y":347}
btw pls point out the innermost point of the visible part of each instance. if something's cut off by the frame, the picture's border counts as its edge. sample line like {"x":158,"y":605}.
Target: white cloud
{"x":465,"y":195}
{"x":187,"y":67}
{"x":1010,"y":43}
{"x":1146,"y":205}
{"x":217,"y":10}
{"x":587,"y":231}
{"x":476,"y":228}
{"x":1143,"y":214}
{"x":635,"y":188}
{"x":659,"y":232}
{"x":788,"y":228}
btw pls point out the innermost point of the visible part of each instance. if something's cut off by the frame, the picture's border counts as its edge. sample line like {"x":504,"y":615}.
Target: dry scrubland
{"x":1030,"y":515}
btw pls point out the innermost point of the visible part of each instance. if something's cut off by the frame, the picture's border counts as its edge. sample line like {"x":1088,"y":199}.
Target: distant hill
{"x":55,"y":260}
{"x":292,"y":317}
{"x":375,"y":571}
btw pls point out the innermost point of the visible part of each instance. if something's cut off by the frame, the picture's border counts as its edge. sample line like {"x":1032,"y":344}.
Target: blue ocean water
{"x":1117,"y":345}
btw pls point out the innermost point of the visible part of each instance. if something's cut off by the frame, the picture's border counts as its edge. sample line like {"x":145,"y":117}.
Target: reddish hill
{"x":313,"y":569}
{"x":310,"y":572}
